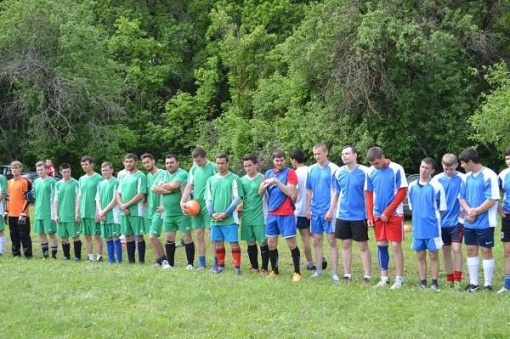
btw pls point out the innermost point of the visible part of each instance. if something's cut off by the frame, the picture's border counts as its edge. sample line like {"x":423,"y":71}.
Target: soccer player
{"x":44,"y":192}
{"x":130,"y":197}
{"x":108,"y":212}
{"x":297,"y":160}
{"x":86,"y":208}
{"x":318,"y":200}
{"x":153,"y":217}
{"x":504,"y":211}
{"x":253,"y":228}
{"x":429,"y":200}
{"x":479,"y":197}
{"x":280,"y":185}
{"x":452,"y":223}
{"x":3,"y":192}
{"x":17,"y":211}
{"x":386,"y":188}
{"x":222,"y":195}
{"x":66,"y":198}
{"x":349,"y":200}
{"x":50,"y":169}
{"x":198,"y":175}
{"x":173,"y":183}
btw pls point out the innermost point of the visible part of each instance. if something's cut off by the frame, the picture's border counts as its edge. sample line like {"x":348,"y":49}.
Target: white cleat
{"x":165,"y":265}
{"x":398,"y":284}
{"x":189,"y":268}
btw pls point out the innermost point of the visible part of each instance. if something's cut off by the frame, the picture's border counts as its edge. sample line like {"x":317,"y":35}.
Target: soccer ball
{"x":407,"y":228}
{"x":192,"y":207}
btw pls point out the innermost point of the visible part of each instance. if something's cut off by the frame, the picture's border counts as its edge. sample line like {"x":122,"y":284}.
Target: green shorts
{"x":45,"y":226}
{"x":90,"y":227}
{"x":253,"y":233}
{"x":155,"y":224}
{"x":130,"y":225}
{"x":109,"y":230}
{"x":68,"y":229}
{"x":177,"y":223}
{"x":202,"y":220}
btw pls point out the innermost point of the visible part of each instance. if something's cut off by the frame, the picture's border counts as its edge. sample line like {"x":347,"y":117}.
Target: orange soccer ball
{"x":407,"y":228}
{"x":192,"y":207}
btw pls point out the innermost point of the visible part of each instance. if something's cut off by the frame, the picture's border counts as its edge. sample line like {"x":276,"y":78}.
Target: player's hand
{"x":183,"y":208}
{"x":57,"y":219}
{"x":384,"y":218}
{"x":126,"y":211}
{"x":160,"y":209}
{"x":370,"y":223}
{"x":329,"y":216}
{"x":77,"y":218}
{"x":502,"y":214}
{"x":308,"y":214}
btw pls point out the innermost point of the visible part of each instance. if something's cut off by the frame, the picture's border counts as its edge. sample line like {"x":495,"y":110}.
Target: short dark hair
{"x":147,"y":155}
{"x":250,"y":157}
{"x":297,"y":155}
{"x":429,"y":161}
{"x":278,"y":153}
{"x":507,"y":152}
{"x":374,"y":153}
{"x":64,"y":166}
{"x":222,"y":155}
{"x":353,"y":149}
{"x":198,"y":152}
{"x":469,"y":154}
{"x":131,"y":156}
{"x":87,"y":158}
{"x":172,"y":156}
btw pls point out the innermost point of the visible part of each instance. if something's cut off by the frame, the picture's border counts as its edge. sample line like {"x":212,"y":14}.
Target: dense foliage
{"x":419,"y":78}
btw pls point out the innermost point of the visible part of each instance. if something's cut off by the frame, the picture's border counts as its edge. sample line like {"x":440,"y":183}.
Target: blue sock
{"x":110,"y":250}
{"x":215,"y":261}
{"x":384,"y":257}
{"x":201,"y":260}
{"x":118,"y":250}
{"x":507,"y":281}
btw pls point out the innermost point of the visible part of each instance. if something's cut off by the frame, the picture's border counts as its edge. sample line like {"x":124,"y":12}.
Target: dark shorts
{"x":480,"y":237}
{"x":505,"y":228}
{"x":452,"y":234}
{"x":355,"y":230}
{"x":302,"y":223}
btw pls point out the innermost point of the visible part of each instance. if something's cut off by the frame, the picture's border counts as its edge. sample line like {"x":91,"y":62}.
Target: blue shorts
{"x":480,"y":237}
{"x":228,"y":233}
{"x":432,"y":245}
{"x":319,"y":225}
{"x":280,"y":224}
{"x":452,"y":234}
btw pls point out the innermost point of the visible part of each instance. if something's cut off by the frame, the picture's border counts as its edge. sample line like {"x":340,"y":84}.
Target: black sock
{"x":66,"y":248}
{"x":170,"y":252}
{"x":54,"y":251}
{"x":296,"y":256}
{"x":273,"y":258}
{"x":131,"y":247}
{"x":77,"y":249}
{"x":44,"y":247}
{"x":434,"y":282}
{"x":141,"y":251}
{"x":253,"y":256}
{"x":190,"y":252}
{"x":264,"y":254}
{"x":423,"y":282}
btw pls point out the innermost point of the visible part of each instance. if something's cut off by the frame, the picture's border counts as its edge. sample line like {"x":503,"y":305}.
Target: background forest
{"x":419,"y":78}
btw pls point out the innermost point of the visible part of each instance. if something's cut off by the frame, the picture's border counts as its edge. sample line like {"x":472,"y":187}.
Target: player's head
{"x":49,"y":162}
{"x":65,"y":170}
{"x":171,"y":163}
{"x":278,"y":159}
{"x":199,"y":156}
{"x":427,"y":168}
{"x":16,"y":168}
{"x":148,"y":161}
{"x":222,"y":163}
{"x":450,"y":163}
{"x":320,"y":153}
{"x":349,"y":155}
{"x":87,"y":163}
{"x":107,"y":169}
{"x":469,"y":158}
{"x":40,"y":168}
{"x":296,"y":158}
{"x":375,"y":156}
{"x":250,"y":164}
{"x":130,"y":161}
{"x":507,"y":157}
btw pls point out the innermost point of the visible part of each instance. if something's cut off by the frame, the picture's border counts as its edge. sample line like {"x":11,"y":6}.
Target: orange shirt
{"x":17,"y":204}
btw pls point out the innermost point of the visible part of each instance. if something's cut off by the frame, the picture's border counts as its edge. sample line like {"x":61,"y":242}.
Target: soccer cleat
{"x":435,"y":288}
{"x":316,"y":275}
{"x":237,"y":271}
{"x":273,"y":275}
{"x":263,"y":273}
{"x":324,"y":263}
{"x":472,"y":288}
{"x":422,"y":287}
{"x":382,"y":283}
{"x":189,"y":267}
{"x":200,"y":268}
{"x":335,"y":278}
{"x":254,"y":270}
{"x":165,"y":265}
{"x":310,"y":267}
{"x":488,"y":288}
{"x":396,"y":285}
{"x":503,"y":290}
{"x":100,"y":259}
{"x":365,"y":282}
{"x":346,"y":280}
{"x":296,"y":277}
{"x":217,"y":270}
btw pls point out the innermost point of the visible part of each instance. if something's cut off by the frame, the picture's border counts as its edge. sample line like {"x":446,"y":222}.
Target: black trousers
{"x":20,"y":236}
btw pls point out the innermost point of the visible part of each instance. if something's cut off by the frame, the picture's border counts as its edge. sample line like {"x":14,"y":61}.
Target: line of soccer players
{"x":341,"y":202}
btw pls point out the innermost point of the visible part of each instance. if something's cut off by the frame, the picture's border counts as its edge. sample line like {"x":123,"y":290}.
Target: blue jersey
{"x":504,"y":184}
{"x":350,"y":188}
{"x":428,"y":200}
{"x":451,"y":217}
{"x":479,"y":187}
{"x":319,"y":183}
{"x":385,"y":183}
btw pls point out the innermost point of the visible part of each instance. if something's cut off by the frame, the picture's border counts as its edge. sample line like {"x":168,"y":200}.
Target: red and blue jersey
{"x":426,"y":202}
{"x":385,"y":183}
{"x":350,"y":188}
{"x":278,"y":202}
{"x":451,"y":185}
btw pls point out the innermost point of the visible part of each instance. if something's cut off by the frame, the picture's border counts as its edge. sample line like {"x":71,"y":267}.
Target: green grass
{"x":60,"y":299}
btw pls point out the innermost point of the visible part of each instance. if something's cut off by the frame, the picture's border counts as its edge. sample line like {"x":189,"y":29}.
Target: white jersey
{"x":302,"y":175}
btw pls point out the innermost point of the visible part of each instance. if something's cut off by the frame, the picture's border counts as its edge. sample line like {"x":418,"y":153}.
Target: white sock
{"x":472,"y":264}
{"x":488,"y":271}
{"x":99,"y":257}
{"x":2,"y":245}
{"x":385,"y":278}
{"x":91,"y":256}
{"x":399,"y":278}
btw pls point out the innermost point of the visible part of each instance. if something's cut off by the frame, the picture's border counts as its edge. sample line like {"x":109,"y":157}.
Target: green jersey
{"x":220,"y":191}
{"x":106,"y":192}
{"x":44,"y":196}
{"x":130,"y":185}
{"x":198,"y":178}
{"x":66,"y":193}
{"x":253,"y":202}
{"x":171,"y":201}
{"x":87,"y":193}
{"x":153,"y":199}
{"x":3,"y":191}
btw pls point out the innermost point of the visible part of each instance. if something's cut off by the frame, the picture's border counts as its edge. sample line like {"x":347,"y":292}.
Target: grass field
{"x":60,"y":299}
